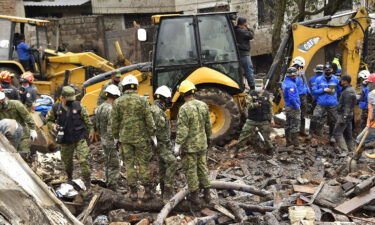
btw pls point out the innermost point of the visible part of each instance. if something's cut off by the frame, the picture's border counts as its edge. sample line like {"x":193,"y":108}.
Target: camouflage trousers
{"x":319,"y":115}
{"x":167,"y":163}
{"x":196,"y":171}
{"x":293,"y":120}
{"x":249,"y":130}
{"x":25,"y":143}
{"x":303,"y":99}
{"x":137,"y":154}
{"x":112,"y":162}
{"x":82,"y":150}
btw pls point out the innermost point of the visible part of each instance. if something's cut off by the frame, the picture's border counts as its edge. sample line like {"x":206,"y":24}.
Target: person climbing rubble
{"x":345,"y":114}
{"x":192,"y":140}
{"x":133,"y":128}
{"x":326,"y":89}
{"x":259,"y":117}
{"x":70,"y":120}
{"x":167,"y":161}
{"x":6,"y":83}
{"x":292,"y":107}
{"x":103,"y":126}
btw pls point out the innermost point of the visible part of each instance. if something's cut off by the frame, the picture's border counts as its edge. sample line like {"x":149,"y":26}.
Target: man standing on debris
{"x":70,"y":120}
{"x":243,"y":36}
{"x":103,"y":126}
{"x":115,"y":80}
{"x":6,"y":83}
{"x":13,"y":109}
{"x":345,"y":113}
{"x":12,"y":130}
{"x":326,"y":89}
{"x":319,"y":70}
{"x":363,"y":104}
{"x":133,"y":128}
{"x":167,"y":161}
{"x":370,"y":127}
{"x":292,"y":107}
{"x":259,"y":117}
{"x":303,"y":90}
{"x":192,"y":141}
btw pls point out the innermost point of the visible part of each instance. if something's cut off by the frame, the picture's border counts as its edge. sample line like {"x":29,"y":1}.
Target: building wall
{"x":130,"y":6}
{"x":12,"y":8}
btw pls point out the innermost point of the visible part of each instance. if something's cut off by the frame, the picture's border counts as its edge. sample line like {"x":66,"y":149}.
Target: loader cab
{"x":186,"y":43}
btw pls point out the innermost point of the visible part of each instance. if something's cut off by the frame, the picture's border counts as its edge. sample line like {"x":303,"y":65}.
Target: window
{"x":5,"y":38}
{"x":265,"y":12}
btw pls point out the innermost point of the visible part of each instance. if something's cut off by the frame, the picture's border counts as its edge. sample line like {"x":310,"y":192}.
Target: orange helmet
{"x":27,"y":77}
{"x":6,"y":76}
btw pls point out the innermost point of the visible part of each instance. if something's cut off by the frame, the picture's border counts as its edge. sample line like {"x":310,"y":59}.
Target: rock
{"x":101,"y":220}
{"x":301,"y":215}
{"x":117,"y":215}
{"x":143,"y":222}
{"x":175,"y":220}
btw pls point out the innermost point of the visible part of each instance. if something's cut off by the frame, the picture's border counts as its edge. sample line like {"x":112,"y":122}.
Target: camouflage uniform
{"x":133,"y":125}
{"x":14,"y":109}
{"x":262,"y":121}
{"x":112,"y":162}
{"x":79,"y":143}
{"x":167,"y":161}
{"x":193,"y":130}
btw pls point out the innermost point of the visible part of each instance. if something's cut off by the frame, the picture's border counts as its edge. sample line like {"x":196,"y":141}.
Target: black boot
{"x":207,"y":195}
{"x":194,"y":198}
{"x":133,"y":194}
{"x":149,"y":194}
{"x":288,"y":138}
{"x":294,"y":139}
{"x":168,"y":192}
{"x":302,"y":129}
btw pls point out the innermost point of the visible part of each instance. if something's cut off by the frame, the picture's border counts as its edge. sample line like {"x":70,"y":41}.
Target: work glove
{"x":33,"y":135}
{"x":154,"y":141}
{"x":176,"y":149}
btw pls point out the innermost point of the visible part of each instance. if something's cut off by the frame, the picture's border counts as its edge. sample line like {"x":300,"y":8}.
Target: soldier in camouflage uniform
{"x":133,"y":127}
{"x":259,"y":116}
{"x":192,"y":140}
{"x":115,"y":79}
{"x":14,"y":109}
{"x":103,"y":126}
{"x":167,"y":161}
{"x":71,"y":118}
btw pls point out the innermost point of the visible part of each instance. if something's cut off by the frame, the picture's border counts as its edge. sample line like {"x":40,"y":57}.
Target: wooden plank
{"x":83,"y":216}
{"x":304,"y":188}
{"x":356,"y":202}
{"x":224,"y":211}
{"x":352,"y":179}
{"x":316,"y":192}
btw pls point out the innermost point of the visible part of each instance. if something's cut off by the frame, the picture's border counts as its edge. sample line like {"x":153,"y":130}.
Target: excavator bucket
{"x":45,"y":141}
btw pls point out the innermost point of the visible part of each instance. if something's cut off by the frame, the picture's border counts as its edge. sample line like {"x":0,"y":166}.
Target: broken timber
{"x":356,"y":202}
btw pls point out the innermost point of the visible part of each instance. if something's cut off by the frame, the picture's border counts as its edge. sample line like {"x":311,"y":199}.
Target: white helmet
{"x":163,"y":91}
{"x":129,"y":79}
{"x":113,"y":90}
{"x":364,"y":74}
{"x":300,"y":61}
{"x":2,"y":95}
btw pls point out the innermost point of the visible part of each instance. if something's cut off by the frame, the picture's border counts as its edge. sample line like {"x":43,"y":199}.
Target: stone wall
{"x":12,"y":8}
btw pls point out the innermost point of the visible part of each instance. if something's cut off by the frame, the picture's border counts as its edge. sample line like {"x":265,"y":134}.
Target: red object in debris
{"x":299,"y":201}
{"x":371,"y":78}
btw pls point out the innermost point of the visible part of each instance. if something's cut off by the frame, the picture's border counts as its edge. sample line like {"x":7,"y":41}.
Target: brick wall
{"x":12,"y":7}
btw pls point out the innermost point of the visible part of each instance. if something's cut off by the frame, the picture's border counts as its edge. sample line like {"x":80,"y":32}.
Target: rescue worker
{"x":370,"y":126}
{"x":115,"y":79}
{"x":345,"y":114}
{"x":103,"y":125}
{"x":243,"y":36}
{"x":336,"y":65}
{"x":13,"y":109}
{"x":12,"y":130}
{"x":134,"y":128}
{"x":24,"y":53}
{"x":319,"y":71}
{"x":303,"y":91}
{"x":326,"y":89}
{"x":167,"y":161}
{"x":363,"y":104}
{"x":292,"y":107}
{"x":72,"y":123}
{"x":28,"y":92}
{"x":192,"y":141}
{"x":259,"y":116}
{"x":6,"y":83}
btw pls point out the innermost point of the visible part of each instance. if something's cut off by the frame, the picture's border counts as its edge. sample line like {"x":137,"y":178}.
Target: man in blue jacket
{"x":292,"y":107}
{"x":303,"y":91}
{"x":24,"y":53}
{"x":319,"y":70}
{"x":327,"y":88}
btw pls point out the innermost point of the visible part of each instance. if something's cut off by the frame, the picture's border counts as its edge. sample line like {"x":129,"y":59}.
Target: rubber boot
{"x":302,"y":128}
{"x":133,"y":194}
{"x":207,"y":195}
{"x":269,"y":151}
{"x":70,"y":176}
{"x":332,"y":140}
{"x":194,"y":198}
{"x":341,"y":143}
{"x":288,"y":139}
{"x":148,"y":193}
{"x":168,"y":192}
{"x":294,"y":140}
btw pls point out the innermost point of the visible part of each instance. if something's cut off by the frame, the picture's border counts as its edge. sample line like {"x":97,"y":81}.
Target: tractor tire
{"x":225,"y":114}
{"x":17,"y":75}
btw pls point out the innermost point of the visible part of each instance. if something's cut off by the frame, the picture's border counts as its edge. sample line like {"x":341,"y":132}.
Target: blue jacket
{"x":324,"y":98}
{"x":23,"y":51}
{"x":290,"y":92}
{"x":301,"y":85}
{"x":363,"y":103}
{"x":312,"y":83}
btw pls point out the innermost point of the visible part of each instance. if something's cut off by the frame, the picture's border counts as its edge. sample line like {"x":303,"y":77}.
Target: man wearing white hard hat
{"x":14,"y":109}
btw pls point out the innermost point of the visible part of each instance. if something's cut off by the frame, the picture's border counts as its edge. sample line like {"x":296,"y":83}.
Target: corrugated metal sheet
{"x":55,"y":3}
